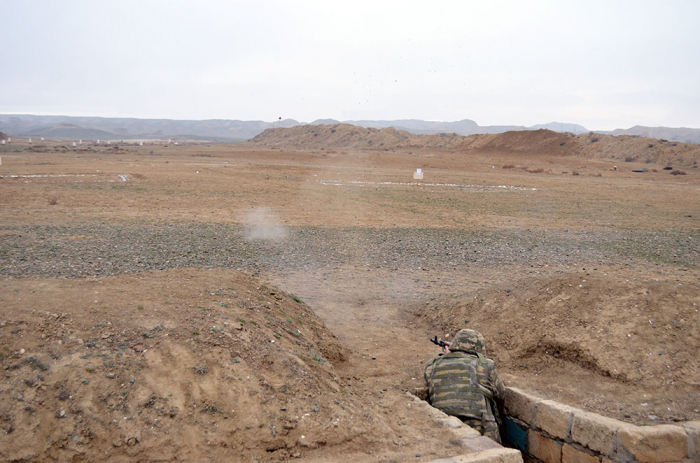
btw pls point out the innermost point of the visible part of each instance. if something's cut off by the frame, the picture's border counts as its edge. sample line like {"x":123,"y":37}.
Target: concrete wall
{"x":546,"y":431}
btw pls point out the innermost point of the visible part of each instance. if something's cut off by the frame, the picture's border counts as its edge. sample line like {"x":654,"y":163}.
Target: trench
{"x":372,"y":317}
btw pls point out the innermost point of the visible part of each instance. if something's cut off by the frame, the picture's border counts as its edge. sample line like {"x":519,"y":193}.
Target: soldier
{"x":463,"y":382}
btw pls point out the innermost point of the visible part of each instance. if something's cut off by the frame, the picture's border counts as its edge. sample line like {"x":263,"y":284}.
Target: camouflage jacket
{"x":464,"y":384}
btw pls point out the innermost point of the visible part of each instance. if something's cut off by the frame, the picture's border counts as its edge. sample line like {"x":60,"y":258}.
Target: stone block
{"x":520,"y":404}
{"x":452,"y":422}
{"x":542,"y":447}
{"x":477,"y":444}
{"x":653,"y":444}
{"x":465,"y":432}
{"x":595,"y":432}
{"x":692,"y":429}
{"x":435,"y":413}
{"x":554,"y":418}
{"x":487,"y":456}
{"x":571,"y":454}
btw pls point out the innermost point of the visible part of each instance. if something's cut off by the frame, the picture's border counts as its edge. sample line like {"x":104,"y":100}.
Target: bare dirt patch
{"x":382,"y":262}
{"x":184,"y":364}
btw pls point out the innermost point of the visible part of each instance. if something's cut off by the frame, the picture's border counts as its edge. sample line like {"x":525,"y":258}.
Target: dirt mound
{"x":540,"y":142}
{"x":346,"y":136}
{"x":583,"y":329}
{"x":333,"y":136}
{"x":527,"y":142}
{"x":626,"y":148}
{"x":169,"y":365}
{"x":623,"y":148}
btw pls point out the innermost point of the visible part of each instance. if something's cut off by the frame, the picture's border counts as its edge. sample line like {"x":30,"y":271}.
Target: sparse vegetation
{"x":200,"y":369}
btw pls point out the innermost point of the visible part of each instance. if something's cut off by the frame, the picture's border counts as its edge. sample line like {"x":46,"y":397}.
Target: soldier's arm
{"x":499,"y":389}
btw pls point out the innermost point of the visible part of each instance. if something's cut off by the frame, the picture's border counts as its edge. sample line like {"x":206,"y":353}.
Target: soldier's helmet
{"x":468,"y":341}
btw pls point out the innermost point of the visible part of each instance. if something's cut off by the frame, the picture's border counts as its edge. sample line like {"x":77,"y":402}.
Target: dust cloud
{"x":263,"y":224}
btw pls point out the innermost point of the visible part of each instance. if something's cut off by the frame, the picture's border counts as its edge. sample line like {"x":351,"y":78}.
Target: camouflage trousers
{"x":486,"y":428}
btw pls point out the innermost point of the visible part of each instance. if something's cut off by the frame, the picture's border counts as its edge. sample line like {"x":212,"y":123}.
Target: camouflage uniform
{"x":464,"y":383}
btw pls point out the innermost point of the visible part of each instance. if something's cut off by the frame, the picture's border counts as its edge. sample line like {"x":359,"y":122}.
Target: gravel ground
{"x":100,"y":250}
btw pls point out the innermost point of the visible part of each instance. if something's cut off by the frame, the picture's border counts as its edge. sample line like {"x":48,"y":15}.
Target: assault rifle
{"x":440,"y":342}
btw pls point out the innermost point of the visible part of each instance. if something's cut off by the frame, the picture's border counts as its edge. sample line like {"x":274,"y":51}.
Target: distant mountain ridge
{"x":463,"y":127}
{"x":230,"y":130}
{"x":681,"y":134}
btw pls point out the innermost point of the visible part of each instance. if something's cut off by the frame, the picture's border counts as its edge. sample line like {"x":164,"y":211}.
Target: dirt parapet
{"x":597,"y":327}
{"x":170,"y":365}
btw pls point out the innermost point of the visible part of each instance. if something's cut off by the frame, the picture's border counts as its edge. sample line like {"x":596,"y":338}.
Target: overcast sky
{"x":603,"y":64}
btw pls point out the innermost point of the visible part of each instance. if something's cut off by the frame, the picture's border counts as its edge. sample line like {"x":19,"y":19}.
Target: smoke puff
{"x":262,"y":224}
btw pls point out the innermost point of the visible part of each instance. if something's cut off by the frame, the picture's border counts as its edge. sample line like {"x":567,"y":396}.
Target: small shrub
{"x":629,"y":159}
{"x":211,"y":409}
{"x":200,"y":369}
{"x":594,"y":139}
{"x":574,"y":173}
{"x":678,"y":172}
{"x":296,"y":299}
{"x":509,"y":166}
{"x":53,"y":201}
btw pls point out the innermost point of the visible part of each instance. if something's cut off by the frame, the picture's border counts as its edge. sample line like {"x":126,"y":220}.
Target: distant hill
{"x":224,"y":130}
{"x":229,"y":130}
{"x":3,"y":136}
{"x":131,"y":128}
{"x":69,"y":131}
{"x":560,"y":127}
{"x":681,"y":134}
{"x":417,"y":126}
{"x":623,"y":148}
